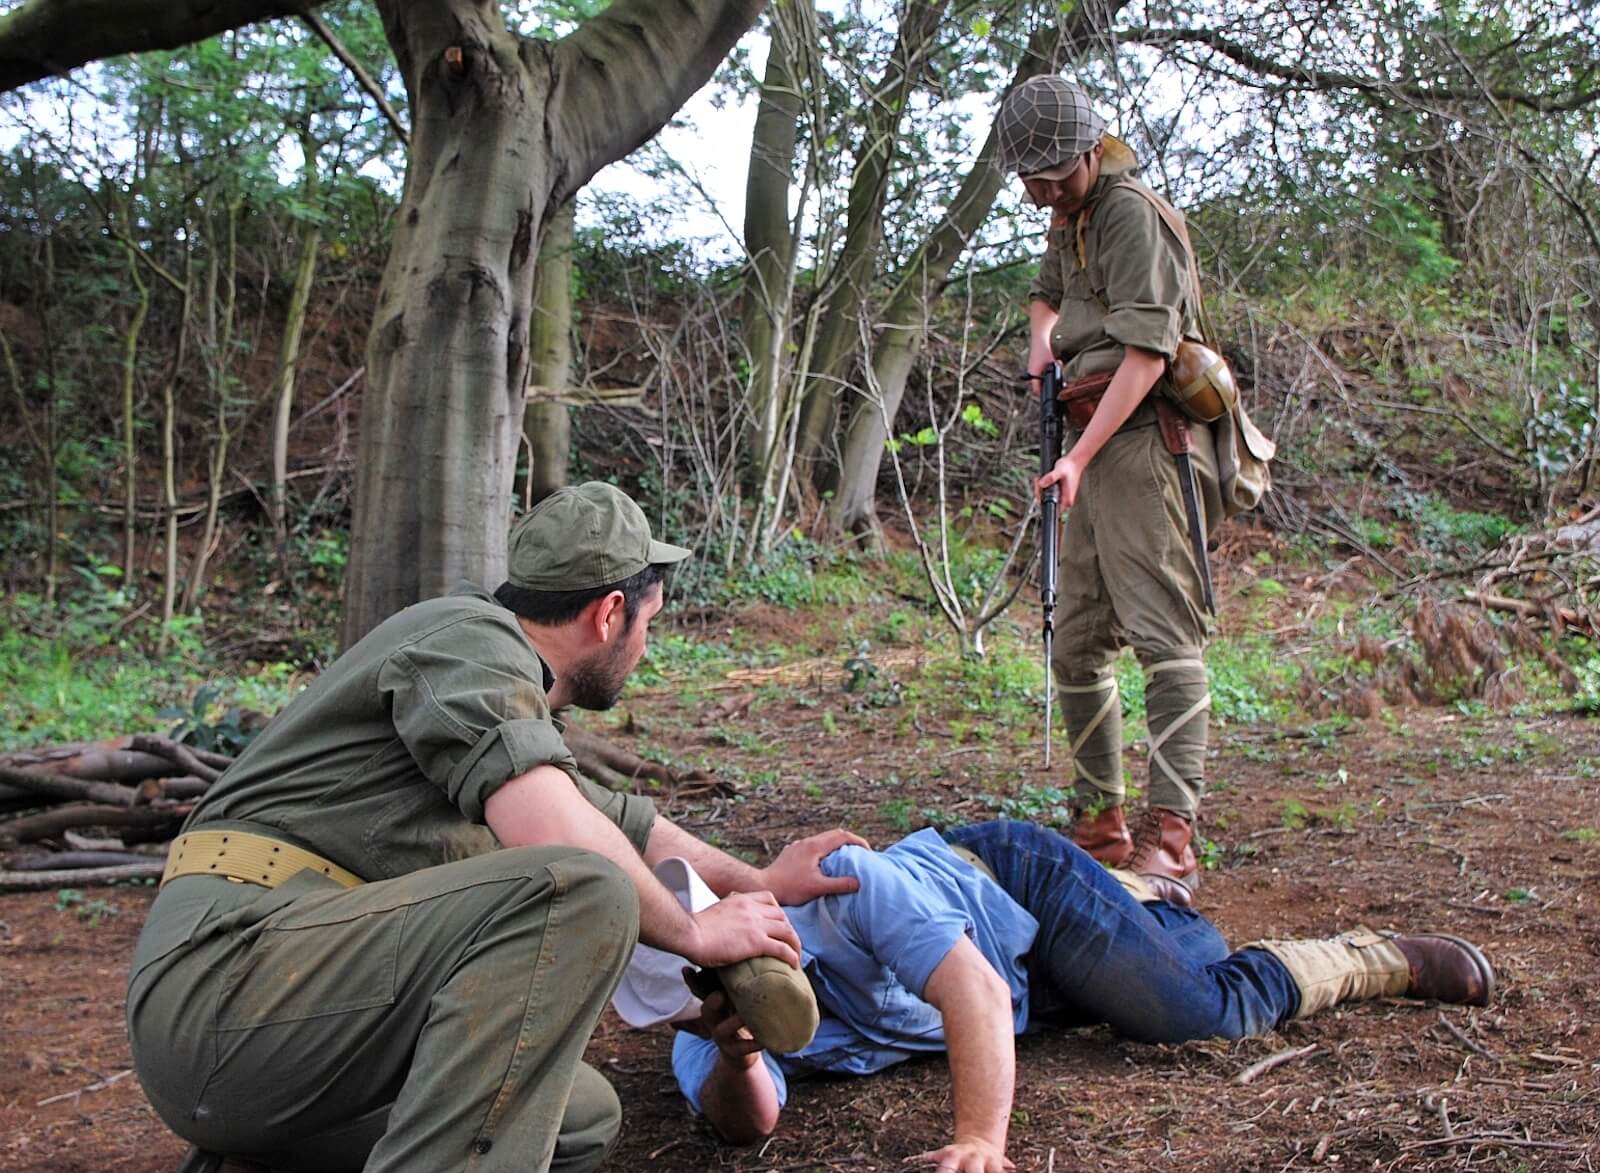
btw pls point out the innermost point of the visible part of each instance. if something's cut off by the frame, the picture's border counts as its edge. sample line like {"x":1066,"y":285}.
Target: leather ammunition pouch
{"x":1080,"y":397}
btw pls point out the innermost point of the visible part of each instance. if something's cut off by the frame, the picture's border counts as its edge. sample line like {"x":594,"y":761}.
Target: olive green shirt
{"x":384,"y":764}
{"x":1130,"y":289}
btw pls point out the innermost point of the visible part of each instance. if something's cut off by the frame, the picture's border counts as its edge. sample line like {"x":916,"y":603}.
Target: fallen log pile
{"x":104,"y":812}
{"x":57,"y":804}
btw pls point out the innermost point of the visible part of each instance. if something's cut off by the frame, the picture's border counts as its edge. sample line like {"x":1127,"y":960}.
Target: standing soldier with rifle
{"x":1116,"y":295}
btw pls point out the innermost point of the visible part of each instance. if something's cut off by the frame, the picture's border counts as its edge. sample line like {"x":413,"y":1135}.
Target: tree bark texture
{"x":768,"y":235}
{"x":846,"y":289}
{"x":502,"y":131}
{"x":44,"y":881}
{"x":546,"y":424}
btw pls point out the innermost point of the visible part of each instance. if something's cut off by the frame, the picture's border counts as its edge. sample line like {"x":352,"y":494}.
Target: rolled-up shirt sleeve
{"x":1146,"y":275}
{"x":472,"y":716}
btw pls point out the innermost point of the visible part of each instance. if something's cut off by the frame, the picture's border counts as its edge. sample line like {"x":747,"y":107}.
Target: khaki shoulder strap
{"x":1180,"y":230}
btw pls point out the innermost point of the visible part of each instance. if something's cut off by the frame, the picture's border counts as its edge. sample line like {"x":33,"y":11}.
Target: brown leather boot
{"x":1163,"y":853}
{"x":1103,"y":835}
{"x":1446,"y":969}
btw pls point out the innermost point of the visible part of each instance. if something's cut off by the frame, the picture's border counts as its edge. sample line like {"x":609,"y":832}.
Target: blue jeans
{"x":1156,"y":972}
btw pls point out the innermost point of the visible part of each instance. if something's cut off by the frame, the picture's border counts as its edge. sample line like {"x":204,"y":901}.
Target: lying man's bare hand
{"x":965,"y":1154}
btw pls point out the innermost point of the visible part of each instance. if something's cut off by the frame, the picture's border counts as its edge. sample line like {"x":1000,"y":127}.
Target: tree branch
{"x":44,"y":38}
{"x":618,"y":79}
{"x":1302,"y":76}
{"x":364,"y":79}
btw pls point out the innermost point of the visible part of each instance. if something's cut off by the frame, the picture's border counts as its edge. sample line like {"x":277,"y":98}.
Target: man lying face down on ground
{"x":959,"y":945}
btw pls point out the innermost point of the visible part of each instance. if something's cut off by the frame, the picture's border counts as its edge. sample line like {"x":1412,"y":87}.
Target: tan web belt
{"x":1134,"y":883}
{"x":246,"y":858}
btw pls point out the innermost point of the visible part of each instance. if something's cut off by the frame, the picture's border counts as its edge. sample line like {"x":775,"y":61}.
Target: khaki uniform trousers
{"x":435,"y":1021}
{"x":1128,"y":577}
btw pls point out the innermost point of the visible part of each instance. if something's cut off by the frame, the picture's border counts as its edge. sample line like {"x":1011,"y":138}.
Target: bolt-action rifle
{"x":1049,"y":523}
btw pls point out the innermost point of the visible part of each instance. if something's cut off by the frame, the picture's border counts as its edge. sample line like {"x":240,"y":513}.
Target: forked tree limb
{"x":181,"y":755}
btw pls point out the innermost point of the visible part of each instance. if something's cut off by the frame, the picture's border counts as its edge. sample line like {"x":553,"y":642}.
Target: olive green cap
{"x":581,"y":537}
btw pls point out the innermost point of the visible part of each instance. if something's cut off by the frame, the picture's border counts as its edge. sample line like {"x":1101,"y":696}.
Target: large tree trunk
{"x":846,"y":290}
{"x":905,"y":320}
{"x":768,"y":237}
{"x":547,"y":424}
{"x":503,"y":130}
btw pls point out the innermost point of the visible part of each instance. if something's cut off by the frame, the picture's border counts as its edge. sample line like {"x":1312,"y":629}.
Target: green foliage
{"x":75,"y":671}
{"x":1444,"y":529}
{"x":1417,"y":238}
{"x":1250,"y":680}
{"x":897,"y":812}
{"x":868,"y":681}
{"x":1586,"y":697}
{"x":90,"y":912}
{"x":802,"y":573}
{"x":675,"y":657}
{"x":1049,"y":805}
{"x":206,"y":724}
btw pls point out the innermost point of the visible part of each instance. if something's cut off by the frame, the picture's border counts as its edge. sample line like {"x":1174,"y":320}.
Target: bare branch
{"x":363,"y":78}
{"x":1302,"y":76}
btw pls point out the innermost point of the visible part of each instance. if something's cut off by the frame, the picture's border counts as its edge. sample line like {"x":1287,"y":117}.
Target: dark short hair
{"x":550,"y":608}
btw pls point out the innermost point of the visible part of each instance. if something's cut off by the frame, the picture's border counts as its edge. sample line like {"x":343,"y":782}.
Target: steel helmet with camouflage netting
{"x":1046,"y":123}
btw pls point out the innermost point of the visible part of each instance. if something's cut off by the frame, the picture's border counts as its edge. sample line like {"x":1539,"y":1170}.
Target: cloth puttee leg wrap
{"x":1093,"y":713}
{"x":1353,"y":966}
{"x":1177,"y":702}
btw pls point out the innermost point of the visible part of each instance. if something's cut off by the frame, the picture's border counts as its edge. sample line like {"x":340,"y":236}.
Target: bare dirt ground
{"x":1487,"y":826}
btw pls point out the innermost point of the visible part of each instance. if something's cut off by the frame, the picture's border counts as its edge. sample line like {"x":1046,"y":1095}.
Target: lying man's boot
{"x":773,"y":998}
{"x":1363,"y":964}
{"x":1163,"y":853}
{"x":1103,"y":834}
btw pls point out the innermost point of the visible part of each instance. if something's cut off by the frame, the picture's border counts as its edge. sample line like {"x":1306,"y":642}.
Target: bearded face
{"x":596,"y":682}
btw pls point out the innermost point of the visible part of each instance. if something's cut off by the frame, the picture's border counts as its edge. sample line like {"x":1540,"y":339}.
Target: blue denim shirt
{"x":869,"y":955}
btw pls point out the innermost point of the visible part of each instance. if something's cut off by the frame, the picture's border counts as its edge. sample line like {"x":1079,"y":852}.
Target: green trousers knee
{"x":433,"y":1021}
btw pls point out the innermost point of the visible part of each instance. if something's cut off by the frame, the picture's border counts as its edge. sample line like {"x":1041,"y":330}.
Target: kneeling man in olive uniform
{"x":386,"y":934}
